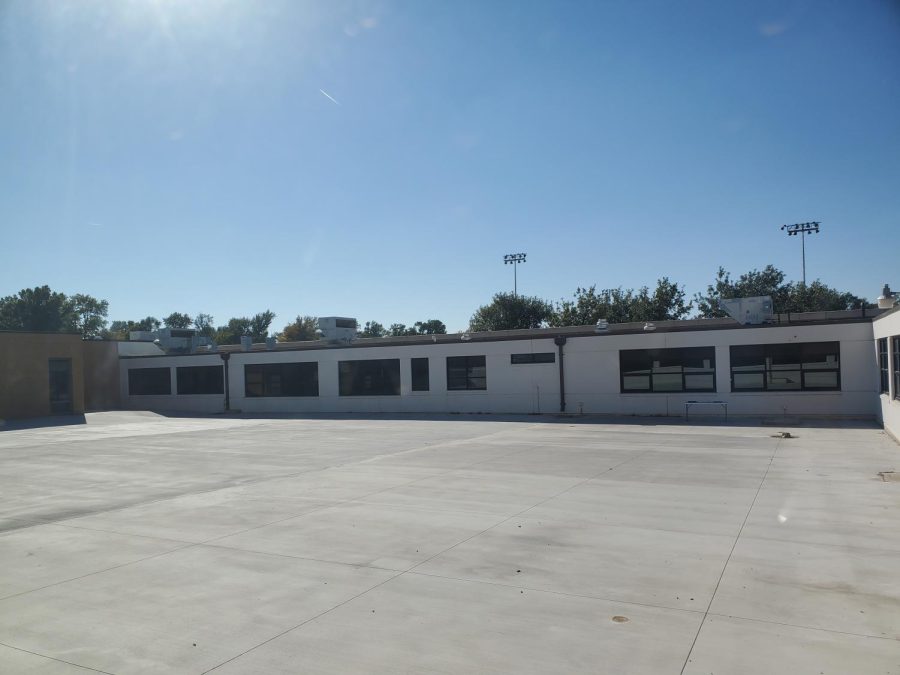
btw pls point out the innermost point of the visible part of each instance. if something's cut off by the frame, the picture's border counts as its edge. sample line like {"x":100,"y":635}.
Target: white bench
{"x":688,"y":404}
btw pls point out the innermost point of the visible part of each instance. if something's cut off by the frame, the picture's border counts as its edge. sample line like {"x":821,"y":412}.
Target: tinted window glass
{"x":668,"y":370}
{"x":200,"y":380}
{"x":281,"y":379}
{"x":377,"y":377}
{"x":149,"y":382}
{"x":466,"y":373}
{"x":541,"y":357}
{"x":419,"y":374}
{"x":795,"y":366}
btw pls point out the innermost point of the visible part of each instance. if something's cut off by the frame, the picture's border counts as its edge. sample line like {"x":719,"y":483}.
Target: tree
{"x":230,"y":334}
{"x":508,"y":311}
{"x":665,"y":304}
{"x":205,"y":326}
{"x":120,"y":330}
{"x":90,"y":315}
{"x":786,"y":297}
{"x":373,"y":329}
{"x":620,"y":306}
{"x":259,"y":325}
{"x":399,"y":330}
{"x":301,"y":330}
{"x":178,"y":320}
{"x":431,"y":327}
{"x":38,"y":309}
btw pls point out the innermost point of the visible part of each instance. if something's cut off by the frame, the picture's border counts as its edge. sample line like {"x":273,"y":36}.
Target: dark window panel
{"x":200,"y":380}
{"x":541,"y":357}
{"x":796,"y":366}
{"x":281,"y":379}
{"x":419,"y":369}
{"x":376,"y":377}
{"x":149,"y":382}
{"x":883,"y":365}
{"x":466,"y":373}
{"x":667,"y":370}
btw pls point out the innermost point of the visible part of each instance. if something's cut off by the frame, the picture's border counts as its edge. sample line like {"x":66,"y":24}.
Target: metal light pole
{"x":514,"y":259}
{"x":802,"y":229}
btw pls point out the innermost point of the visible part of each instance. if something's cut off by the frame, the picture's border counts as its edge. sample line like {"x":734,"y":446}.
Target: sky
{"x":376,"y":160}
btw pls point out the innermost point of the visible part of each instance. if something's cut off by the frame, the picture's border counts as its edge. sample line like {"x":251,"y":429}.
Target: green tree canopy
{"x":373,"y":329}
{"x":400,"y":329}
{"x":257,"y":327}
{"x":178,"y":320}
{"x":302,"y":329}
{"x":508,"y":311}
{"x":205,"y":326}
{"x":786,"y":296}
{"x":430,"y":327}
{"x":42,"y":309}
{"x":617,"y":305}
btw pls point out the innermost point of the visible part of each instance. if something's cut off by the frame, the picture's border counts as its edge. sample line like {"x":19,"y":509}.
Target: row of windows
{"x":895,"y":344}
{"x":371,"y":377}
{"x":809,"y":366}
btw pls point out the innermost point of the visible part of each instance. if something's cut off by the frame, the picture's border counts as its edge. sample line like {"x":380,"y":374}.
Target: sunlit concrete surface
{"x":138,"y":543}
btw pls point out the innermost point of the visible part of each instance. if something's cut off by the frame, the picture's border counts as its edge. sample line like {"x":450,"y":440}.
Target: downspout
{"x":560,"y":340}
{"x":225,"y":358}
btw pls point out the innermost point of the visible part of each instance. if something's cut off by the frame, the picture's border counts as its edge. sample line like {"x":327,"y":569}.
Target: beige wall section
{"x":101,"y":375}
{"x":25,"y":372}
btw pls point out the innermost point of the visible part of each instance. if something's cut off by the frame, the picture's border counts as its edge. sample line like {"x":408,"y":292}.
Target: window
{"x":281,"y":379}
{"x":896,"y":344}
{"x":377,"y":377}
{"x":883,"y":365}
{"x":466,"y":373}
{"x":200,"y":380}
{"x":345,"y":323}
{"x":667,"y":370}
{"x":542,"y":357}
{"x":419,"y":374}
{"x":796,"y":366}
{"x":149,"y":382}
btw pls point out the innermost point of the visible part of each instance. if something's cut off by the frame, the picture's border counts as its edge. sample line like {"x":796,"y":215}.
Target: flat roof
{"x":631,"y":328}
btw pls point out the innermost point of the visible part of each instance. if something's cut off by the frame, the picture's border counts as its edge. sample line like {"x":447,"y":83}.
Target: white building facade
{"x":812,"y":365}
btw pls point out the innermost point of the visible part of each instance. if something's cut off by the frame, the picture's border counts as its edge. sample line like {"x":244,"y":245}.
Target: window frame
{"x":265,"y":371}
{"x":386,"y":364}
{"x":884,"y":369}
{"x":196,"y":379}
{"x":668,"y":353}
{"x":778,"y":350}
{"x":421,"y":380}
{"x":895,"y":344}
{"x":131,"y":378}
{"x":469,"y":363}
{"x":532,"y":358}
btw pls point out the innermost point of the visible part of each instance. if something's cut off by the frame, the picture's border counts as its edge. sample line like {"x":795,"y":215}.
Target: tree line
{"x":42,"y":309}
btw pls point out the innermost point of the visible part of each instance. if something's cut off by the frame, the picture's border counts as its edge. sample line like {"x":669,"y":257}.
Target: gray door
{"x":61,"y":386}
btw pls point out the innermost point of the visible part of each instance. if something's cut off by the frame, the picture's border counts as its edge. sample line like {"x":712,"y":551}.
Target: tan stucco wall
{"x":101,"y":375}
{"x":25,"y":373}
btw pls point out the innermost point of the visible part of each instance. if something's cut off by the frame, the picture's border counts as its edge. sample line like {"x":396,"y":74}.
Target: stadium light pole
{"x":514,"y":259}
{"x":802,"y":229}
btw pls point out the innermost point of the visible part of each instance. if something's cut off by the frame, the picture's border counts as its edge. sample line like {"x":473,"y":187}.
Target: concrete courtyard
{"x":138,"y":543}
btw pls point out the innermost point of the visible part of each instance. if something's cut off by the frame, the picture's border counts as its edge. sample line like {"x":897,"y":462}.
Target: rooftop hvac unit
{"x":746,"y":311}
{"x":337,"y":328}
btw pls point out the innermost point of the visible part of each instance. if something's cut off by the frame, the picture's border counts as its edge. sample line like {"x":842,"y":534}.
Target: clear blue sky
{"x":182,"y":155}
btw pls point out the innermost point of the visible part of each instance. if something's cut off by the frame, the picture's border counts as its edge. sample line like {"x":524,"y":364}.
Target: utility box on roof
{"x":337,"y":328}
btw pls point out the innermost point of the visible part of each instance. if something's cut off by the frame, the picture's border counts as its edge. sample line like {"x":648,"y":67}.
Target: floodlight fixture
{"x":802,"y":229}
{"x":514,"y":259}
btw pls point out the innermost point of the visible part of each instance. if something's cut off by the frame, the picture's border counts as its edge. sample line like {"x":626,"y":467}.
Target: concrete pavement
{"x":138,"y":543}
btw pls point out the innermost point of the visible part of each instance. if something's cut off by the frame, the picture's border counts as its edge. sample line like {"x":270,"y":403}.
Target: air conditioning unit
{"x":337,"y":328}
{"x":752,"y":311}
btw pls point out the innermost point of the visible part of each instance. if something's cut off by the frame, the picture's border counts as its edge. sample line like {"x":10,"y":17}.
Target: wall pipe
{"x":225,"y":356}
{"x":560,"y":340}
